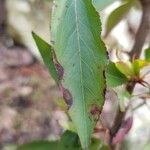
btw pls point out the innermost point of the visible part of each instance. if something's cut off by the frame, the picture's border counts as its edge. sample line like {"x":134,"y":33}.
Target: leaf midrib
{"x":80,"y":59}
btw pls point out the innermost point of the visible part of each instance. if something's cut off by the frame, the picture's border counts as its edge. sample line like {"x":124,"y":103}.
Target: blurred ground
{"x":27,"y":96}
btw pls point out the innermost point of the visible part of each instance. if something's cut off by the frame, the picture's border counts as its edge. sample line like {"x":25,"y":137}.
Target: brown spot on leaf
{"x":95,"y":111}
{"x":67,"y":97}
{"x":60,"y":70}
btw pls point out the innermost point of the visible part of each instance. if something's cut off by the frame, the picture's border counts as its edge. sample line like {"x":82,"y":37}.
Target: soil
{"x":28,"y":97}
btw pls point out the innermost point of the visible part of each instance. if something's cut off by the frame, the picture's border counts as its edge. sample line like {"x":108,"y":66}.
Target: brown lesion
{"x":95,"y":112}
{"x":105,"y":88}
{"x":60,"y":71}
{"x":58,"y":66}
{"x":67,"y":96}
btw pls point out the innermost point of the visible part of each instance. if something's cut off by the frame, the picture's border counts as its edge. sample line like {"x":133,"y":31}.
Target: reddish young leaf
{"x":125,"y":128}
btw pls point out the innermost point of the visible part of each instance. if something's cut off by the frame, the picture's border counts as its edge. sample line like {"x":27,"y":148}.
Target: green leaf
{"x":138,"y":64}
{"x":57,"y":11}
{"x":95,"y":143}
{"x":68,"y":141}
{"x":116,"y":16}
{"x":125,"y":68}
{"x":147,"y":54}
{"x":82,"y":55}
{"x":38,"y":145}
{"x":101,"y":4}
{"x":47,"y":55}
{"x":114,"y":77}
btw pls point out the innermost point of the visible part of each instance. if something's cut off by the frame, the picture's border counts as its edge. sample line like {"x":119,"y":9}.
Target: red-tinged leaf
{"x":128,"y":124}
{"x":125,"y":128}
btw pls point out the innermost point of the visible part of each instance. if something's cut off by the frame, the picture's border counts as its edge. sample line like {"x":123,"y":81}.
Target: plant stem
{"x":143,"y":30}
{"x":140,"y":38}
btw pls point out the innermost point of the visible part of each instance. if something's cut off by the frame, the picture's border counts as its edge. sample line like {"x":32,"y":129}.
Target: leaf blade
{"x":57,"y":11}
{"x":100,"y":5}
{"x":68,"y":141}
{"x":147,"y":54}
{"x":38,"y":145}
{"x":82,"y":54}
{"x":125,"y":68}
{"x":115,"y":17}
{"x":47,"y":55}
{"x":138,"y":64}
{"x":114,"y":77}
